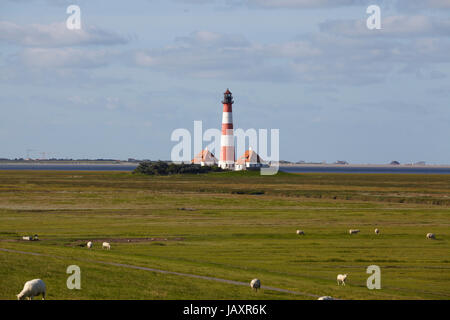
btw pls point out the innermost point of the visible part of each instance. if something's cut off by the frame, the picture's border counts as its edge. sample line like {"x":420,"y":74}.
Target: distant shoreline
{"x":69,"y":163}
{"x":285,"y":165}
{"x":333,"y":165}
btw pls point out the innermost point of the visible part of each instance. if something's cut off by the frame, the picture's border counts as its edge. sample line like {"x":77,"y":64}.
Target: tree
{"x":162,"y":168}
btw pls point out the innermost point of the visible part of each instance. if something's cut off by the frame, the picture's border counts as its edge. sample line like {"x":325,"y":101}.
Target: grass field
{"x":236,"y":226}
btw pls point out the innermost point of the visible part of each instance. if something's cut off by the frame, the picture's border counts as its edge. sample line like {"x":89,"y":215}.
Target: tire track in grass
{"x":189,"y":275}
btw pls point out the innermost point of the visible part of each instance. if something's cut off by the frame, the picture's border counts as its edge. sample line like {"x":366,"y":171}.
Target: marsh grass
{"x":235,"y":225}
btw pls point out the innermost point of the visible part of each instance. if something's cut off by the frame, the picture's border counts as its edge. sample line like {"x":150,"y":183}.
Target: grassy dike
{"x":234,"y":226}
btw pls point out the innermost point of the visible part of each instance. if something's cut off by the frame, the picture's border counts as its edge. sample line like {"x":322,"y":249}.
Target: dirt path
{"x":238,"y":283}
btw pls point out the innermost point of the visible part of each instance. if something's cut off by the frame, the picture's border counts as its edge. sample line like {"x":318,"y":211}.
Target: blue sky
{"x":137,"y":70}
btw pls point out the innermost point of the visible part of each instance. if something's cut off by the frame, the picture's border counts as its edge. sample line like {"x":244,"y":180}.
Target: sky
{"x":137,"y":70}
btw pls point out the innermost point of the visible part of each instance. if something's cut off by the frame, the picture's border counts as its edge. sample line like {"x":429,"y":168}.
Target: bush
{"x":162,"y":168}
{"x":251,"y":192}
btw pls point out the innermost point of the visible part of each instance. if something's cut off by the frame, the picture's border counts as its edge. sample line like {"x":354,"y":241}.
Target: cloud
{"x":302,"y":4}
{"x":401,"y":5}
{"x":56,"y":3}
{"x":213,"y":39}
{"x":322,"y":57}
{"x":328,"y":57}
{"x":416,"y":5}
{"x":63,"y":58}
{"x":392,"y":26}
{"x":276,"y":4}
{"x":113,"y":103}
{"x":200,"y":52}
{"x":214,"y":55}
{"x":298,"y":49}
{"x":88,"y":102}
{"x":56,"y":35}
{"x":53,"y":46}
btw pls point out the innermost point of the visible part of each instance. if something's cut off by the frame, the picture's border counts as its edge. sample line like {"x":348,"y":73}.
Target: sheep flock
{"x":36,"y":287}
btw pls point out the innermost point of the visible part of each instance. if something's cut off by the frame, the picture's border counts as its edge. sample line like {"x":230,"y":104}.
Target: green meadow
{"x":235,"y":226}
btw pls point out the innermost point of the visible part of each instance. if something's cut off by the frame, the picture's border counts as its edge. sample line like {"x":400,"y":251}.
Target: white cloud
{"x":56,"y":35}
{"x":412,"y":5}
{"x":415,"y":5}
{"x":113,"y":103}
{"x":300,"y":4}
{"x":63,"y":58}
{"x":293,"y":49}
{"x":392,"y":26}
{"x":340,"y":53}
{"x":401,"y":5}
{"x":214,"y":55}
{"x":213,"y":39}
{"x":304,"y":3}
{"x":316,"y":58}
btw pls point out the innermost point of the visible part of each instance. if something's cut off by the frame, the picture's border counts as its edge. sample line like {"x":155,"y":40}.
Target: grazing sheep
{"x":341,"y":279}
{"x":326,"y":298}
{"x":377,"y":231}
{"x":89,"y":244}
{"x":255,"y":284}
{"x":31,"y":238}
{"x":300,"y":232}
{"x":431,"y":236}
{"x":353,"y":231}
{"x":32,"y":289}
{"x":106,"y":245}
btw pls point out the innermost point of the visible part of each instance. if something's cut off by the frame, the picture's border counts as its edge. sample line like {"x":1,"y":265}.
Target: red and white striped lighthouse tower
{"x":227,"y":140}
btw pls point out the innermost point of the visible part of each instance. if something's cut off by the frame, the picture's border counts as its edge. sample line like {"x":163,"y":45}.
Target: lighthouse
{"x":227,"y":140}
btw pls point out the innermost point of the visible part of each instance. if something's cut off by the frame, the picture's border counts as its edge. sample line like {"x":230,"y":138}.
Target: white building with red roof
{"x":250,"y":159}
{"x":205,"y":158}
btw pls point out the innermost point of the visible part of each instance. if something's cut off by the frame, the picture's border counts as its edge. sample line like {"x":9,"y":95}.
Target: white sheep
{"x":89,"y":244}
{"x":326,"y":298}
{"x":377,"y":231}
{"x":255,"y":284}
{"x":353,"y":231}
{"x":32,"y":289}
{"x":300,"y":232}
{"x":431,"y":236}
{"x":341,"y":279}
{"x":106,"y":245}
{"x":31,"y":238}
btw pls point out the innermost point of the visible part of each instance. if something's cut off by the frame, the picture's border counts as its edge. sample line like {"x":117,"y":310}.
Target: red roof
{"x":249,"y":156}
{"x":228,"y":91}
{"x":204,"y":156}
